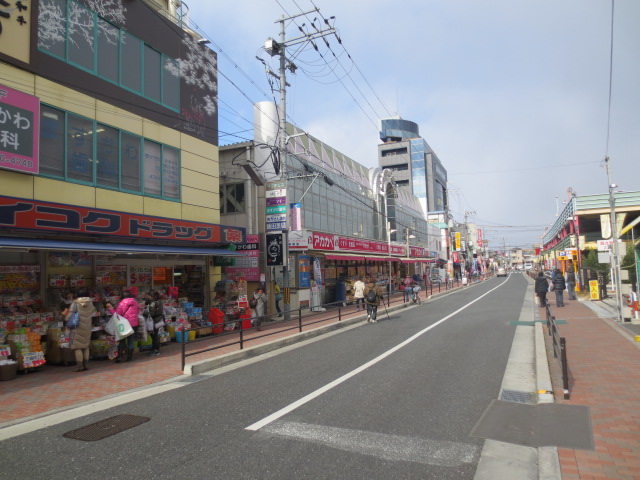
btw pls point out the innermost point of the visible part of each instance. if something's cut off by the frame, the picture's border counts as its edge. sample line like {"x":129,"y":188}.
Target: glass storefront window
{"x":107,"y":155}
{"x":79,"y":148}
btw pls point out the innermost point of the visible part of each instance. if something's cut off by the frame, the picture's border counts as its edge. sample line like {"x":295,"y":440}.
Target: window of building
{"x":152,"y":73}
{"x":81,"y":36}
{"x":78,"y":149}
{"x":132,"y":60}
{"x":394,"y":151}
{"x":107,"y":156}
{"x":232,"y":198}
{"x":77,"y":35}
{"x":51,"y":141}
{"x":108,"y":51}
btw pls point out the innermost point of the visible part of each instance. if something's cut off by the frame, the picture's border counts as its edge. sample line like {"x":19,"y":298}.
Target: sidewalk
{"x":604,"y":365}
{"x":55,"y":388}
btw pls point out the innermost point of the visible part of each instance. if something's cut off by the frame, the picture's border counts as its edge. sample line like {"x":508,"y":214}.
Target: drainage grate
{"x":106,"y":428}
{"x":517,"y":396}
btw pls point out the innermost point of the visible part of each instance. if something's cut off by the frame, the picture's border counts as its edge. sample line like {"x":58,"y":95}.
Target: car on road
{"x":501,"y":272}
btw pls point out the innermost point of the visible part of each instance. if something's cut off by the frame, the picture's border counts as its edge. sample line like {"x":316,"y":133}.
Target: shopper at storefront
{"x":358,"y":293}
{"x":156,"y":312}
{"x":81,"y":334}
{"x":129,"y":309}
{"x":373,"y":295}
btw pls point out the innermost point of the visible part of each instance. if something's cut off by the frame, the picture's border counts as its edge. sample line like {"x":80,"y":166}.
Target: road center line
{"x":307,"y":398}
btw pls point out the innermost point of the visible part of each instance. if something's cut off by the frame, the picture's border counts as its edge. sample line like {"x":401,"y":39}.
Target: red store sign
{"x":56,"y":217}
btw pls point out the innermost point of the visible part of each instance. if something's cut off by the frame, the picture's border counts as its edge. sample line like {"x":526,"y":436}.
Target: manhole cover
{"x":106,"y":428}
{"x":517,"y":396}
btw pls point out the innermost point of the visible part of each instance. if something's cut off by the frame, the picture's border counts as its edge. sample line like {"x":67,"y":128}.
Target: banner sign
{"x":57,"y":217}
{"x":19,"y":131}
{"x":276,"y":206}
{"x":296,"y":216}
{"x":275,"y":250}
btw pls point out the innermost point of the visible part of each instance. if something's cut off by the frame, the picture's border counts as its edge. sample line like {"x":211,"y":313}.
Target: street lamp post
{"x":389,"y":232}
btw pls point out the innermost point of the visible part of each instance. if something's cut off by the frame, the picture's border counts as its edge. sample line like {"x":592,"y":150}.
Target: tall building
{"x":414,"y":163}
{"x":109,"y":159}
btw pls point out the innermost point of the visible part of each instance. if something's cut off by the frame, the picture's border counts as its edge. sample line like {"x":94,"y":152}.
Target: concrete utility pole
{"x":614,"y":236}
{"x":279,"y":48}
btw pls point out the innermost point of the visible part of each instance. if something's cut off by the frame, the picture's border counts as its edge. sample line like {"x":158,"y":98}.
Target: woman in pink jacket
{"x":129,"y":309}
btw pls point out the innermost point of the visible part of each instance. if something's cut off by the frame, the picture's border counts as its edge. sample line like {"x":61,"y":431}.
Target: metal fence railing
{"x":559,"y":350}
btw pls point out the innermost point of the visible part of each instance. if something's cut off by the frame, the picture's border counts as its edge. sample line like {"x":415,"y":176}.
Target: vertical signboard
{"x":296,"y":217}
{"x":275,"y":250}
{"x":457,"y":240}
{"x":19,"y":131}
{"x":276,"y":206}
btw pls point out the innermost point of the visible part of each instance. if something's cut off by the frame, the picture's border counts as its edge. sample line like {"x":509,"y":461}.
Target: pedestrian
{"x":373,"y":294}
{"x":571,"y":283}
{"x":406,"y":284}
{"x":277,"y":297}
{"x":358,"y":293}
{"x":129,"y":309}
{"x":260,"y":299}
{"x":156,"y":312}
{"x":81,"y":334}
{"x":541,"y":288}
{"x":559,"y":286}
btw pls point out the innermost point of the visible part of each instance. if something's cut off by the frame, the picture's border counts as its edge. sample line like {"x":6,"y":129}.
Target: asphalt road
{"x":395,"y":399}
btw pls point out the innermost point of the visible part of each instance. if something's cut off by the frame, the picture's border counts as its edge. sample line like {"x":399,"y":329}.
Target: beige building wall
{"x":199,"y":172}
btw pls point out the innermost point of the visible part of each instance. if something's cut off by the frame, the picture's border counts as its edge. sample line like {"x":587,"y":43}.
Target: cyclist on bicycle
{"x":416,"y":292}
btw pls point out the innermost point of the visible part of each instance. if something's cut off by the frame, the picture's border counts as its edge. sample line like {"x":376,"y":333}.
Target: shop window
{"x":232,"y":198}
{"x":152,"y":74}
{"x":51,"y":141}
{"x":81,"y":33}
{"x":130,"y":160}
{"x":108,"y":51}
{"x":79,"y":148}
{"x":107,"y":153}
{"x":131,"y":61}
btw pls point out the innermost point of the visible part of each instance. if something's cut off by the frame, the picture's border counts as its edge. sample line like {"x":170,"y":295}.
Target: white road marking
{"x":307,"y":398}
{"x":380,"y":445}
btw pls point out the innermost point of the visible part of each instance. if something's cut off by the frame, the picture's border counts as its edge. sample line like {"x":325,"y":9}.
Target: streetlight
{"x":389,"y":232}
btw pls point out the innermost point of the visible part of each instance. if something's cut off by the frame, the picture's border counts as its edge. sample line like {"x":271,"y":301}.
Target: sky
{"x":516,"y":97}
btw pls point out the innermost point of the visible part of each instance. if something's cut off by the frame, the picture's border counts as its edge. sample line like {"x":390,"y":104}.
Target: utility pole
{"x":279,"y":48}
{"x":615,"y":266}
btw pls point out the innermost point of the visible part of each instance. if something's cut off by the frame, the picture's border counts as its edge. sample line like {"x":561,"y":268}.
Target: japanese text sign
{"x":19,"y":130}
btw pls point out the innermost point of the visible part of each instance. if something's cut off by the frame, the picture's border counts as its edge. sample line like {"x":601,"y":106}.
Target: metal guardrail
{"x":559,"y":350}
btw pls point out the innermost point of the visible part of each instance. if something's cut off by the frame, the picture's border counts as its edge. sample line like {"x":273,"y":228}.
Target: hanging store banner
{"x":295,"y":211}
{"x":480,"y":237}
{"x":457,"y":241}
{"x":19,"y":131}
{"x":56,"y":217}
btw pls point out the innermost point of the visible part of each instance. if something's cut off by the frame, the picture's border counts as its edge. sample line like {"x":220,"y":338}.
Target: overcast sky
{"x":512,"y":95}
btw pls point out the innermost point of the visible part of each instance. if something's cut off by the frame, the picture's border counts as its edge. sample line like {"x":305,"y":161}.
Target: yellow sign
{"x":594,"y":291}
{"x":457,"y":240}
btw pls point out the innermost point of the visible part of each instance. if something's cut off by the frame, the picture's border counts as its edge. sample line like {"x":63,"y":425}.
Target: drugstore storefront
{"x":49,"y":250}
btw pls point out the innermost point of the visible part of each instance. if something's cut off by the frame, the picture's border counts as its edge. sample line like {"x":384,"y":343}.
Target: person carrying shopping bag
{"x":129,"y":309}
{"x":81,"y":332}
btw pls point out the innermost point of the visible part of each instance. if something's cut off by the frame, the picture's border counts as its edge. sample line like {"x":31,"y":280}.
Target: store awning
{"x":418,"y":260}
{"x":344,"y":257}
{"x":382,"y":259}
{"x":42,"y":244}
